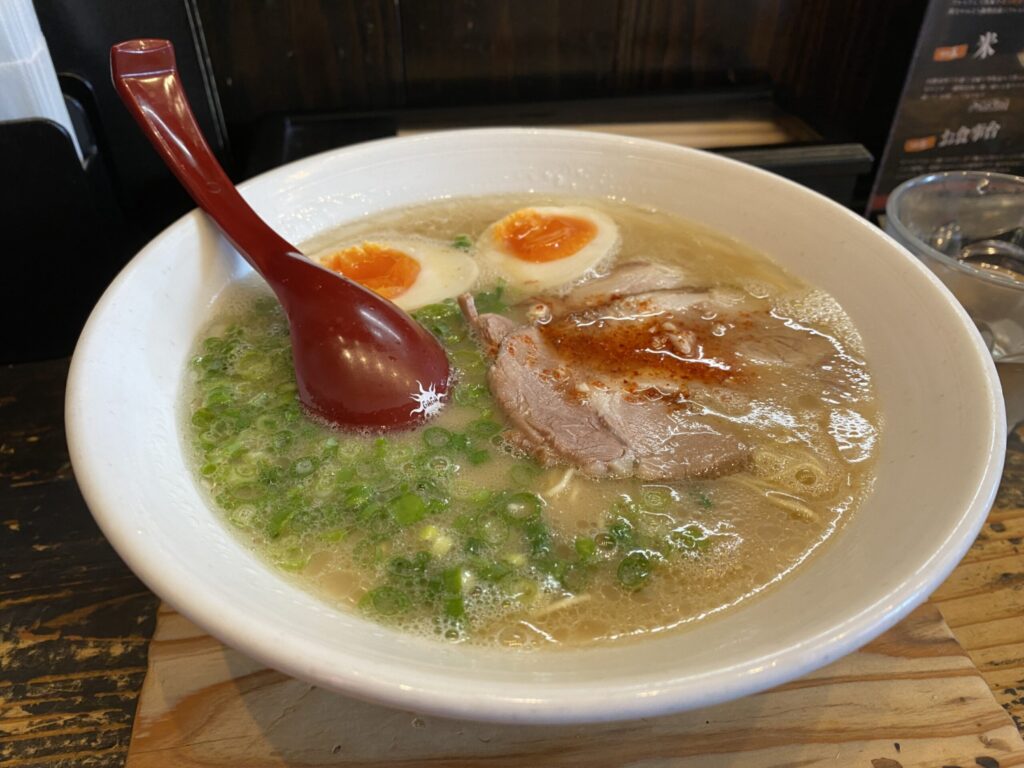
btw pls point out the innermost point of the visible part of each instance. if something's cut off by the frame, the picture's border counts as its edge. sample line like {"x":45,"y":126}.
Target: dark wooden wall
{"x":841,"y":64}
{"x":838,"y":63}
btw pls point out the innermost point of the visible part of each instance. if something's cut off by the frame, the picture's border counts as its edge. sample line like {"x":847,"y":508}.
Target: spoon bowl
{"x":360,"y":361}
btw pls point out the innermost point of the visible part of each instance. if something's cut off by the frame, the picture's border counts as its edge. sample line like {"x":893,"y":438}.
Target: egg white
{"x":534,"y":275}
{"x":445,"y":271}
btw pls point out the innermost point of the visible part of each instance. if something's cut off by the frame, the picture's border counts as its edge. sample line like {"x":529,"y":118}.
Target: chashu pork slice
{"x":626,"y":279}
{"x":570,"y":414}
{"x":539,"y":396}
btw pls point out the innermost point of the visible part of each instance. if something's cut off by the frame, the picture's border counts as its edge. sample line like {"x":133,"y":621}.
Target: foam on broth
{"x":713,"y":543}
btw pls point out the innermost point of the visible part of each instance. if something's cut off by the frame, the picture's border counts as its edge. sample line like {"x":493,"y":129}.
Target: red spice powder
{"x":634,"y":349}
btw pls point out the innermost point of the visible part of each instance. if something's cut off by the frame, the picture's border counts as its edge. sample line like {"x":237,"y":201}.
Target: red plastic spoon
{"x":360,"y":361}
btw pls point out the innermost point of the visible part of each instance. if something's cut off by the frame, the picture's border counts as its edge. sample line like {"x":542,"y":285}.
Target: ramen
{"x":649,"y":423}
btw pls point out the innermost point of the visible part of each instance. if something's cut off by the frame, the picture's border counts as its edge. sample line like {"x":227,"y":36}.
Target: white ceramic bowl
{"x":939,"y":464}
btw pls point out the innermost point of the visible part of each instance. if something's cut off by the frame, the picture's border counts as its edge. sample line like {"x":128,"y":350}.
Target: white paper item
{"x":28,"y":80}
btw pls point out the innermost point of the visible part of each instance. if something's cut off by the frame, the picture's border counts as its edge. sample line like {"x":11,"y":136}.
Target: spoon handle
{"x":146,"y":78}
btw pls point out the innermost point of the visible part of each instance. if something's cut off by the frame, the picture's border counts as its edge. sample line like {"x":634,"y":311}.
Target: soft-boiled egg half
{"x":411,"y":273}
{"x":547,"y":246}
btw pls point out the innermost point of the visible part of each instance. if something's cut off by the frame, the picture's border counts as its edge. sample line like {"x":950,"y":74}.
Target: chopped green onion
{"x":493,"y":571}
{"x":408,"y":509}
{"x":292,"y":559}
{"x":585,"y":547}
{"x":478,"y":456}
{"x":279,"y":520}
{"x":475,"y":546}
{"x":469,"y":394}
{"x":455,"y":608}
{"x":621,"y":530}
{"x":492,"y":529}
{"x":458,"y":442}
{"x":358,"y":496}
{"x":203,"y":417}
{"x":437,"y":437}
{"x":303,"y":467}
{"x":440,"y":464}
{"x":550,"y":566}
{"x":522,"y":506}
{"x":491,"y":301}
{"x":387,"y":601}
{"x":405,"y":569}
{"x":451,"y":580}
{"x":538,"y":536}
{"x":524,"y":474}
{"x":267,"y":423}
{"x":635,"y":570}
{"x":283,"y":439}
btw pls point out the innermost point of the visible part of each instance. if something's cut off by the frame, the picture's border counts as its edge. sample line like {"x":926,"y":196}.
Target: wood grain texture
{"x":838,"y":63}
{"x":911,"y":697}
{"x":466,"y":52}
{"x":302,"y":55}
{"x":469,"y":52}
{"x":983,"y":599}
{"x":670,"y":45}
{"x":74,"y":621}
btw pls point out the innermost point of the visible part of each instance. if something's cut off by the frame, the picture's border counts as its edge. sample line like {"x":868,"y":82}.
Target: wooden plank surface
{"x":74,"y":622}
{"x":983,"y":599}
{"x":911,"y":698}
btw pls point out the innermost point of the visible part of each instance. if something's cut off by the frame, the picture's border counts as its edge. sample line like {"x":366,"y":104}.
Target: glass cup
{"x":950,"y":221}
{"x":936,"y":217}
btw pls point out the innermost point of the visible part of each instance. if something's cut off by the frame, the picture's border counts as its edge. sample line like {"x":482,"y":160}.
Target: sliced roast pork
{"x":627,"y":279}
{"x":490,"y":328}
{"x":600,"y":379}
{"x":542,"y":400}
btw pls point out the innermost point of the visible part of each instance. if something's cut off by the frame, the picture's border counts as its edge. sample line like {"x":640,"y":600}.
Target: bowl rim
{"x":568,"y":703}
{"x":896,"y":196}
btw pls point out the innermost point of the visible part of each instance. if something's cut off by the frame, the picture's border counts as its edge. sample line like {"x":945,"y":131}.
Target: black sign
{"x":963,"y":105}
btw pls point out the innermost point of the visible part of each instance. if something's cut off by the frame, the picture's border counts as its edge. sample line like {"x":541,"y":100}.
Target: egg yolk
{"x":383,"y":270}
{"x":532,"y":236}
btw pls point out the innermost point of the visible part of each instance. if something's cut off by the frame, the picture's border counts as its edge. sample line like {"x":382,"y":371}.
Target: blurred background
{"x":806,"y":88}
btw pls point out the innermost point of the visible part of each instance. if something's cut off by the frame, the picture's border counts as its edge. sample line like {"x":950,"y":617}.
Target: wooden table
{"x":75,"y":624}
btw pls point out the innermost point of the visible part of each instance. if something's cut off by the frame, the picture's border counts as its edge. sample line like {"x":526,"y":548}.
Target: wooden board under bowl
{"x":910,"y":698}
